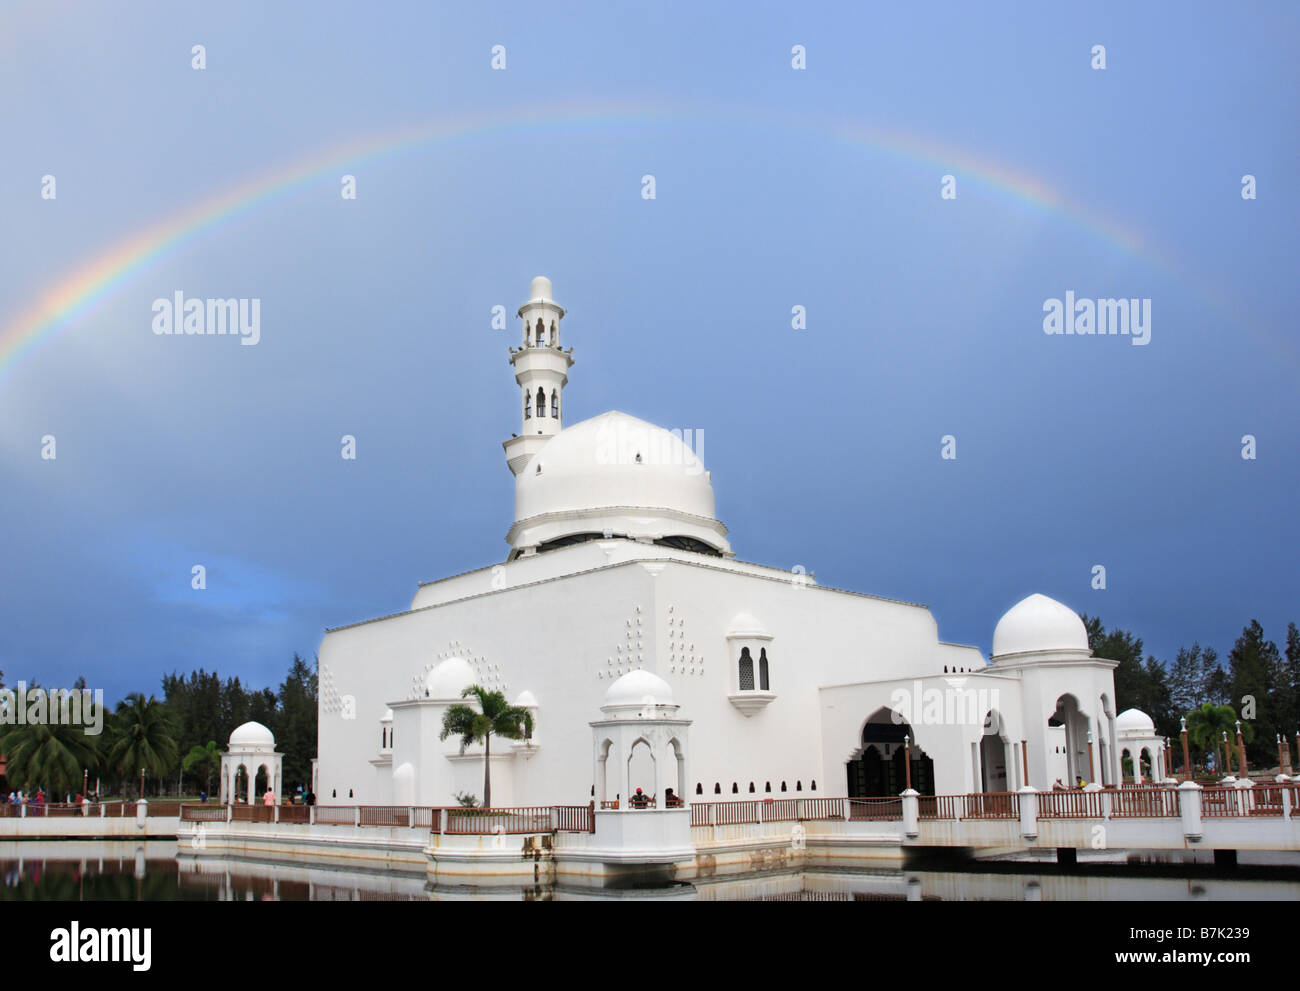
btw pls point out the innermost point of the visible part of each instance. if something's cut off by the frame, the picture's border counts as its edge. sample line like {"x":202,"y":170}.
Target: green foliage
{"x":143,"y":736}
{"x":1206,"y":726}
{"x":493,"y":717}
{"x":466,"y":800}
{"x":52,"y":756}
{"x":205,"y":759}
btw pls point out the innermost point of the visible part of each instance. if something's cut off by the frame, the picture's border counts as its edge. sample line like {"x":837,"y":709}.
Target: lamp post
{"x":1227,"y":756}
{"x":907,"y":759}
{"x":85,"y":779}
{"x":1187,"y":758}
{"x":142,"y":782}
{"x":1241,"y":751}
{"x":1168,"y":758}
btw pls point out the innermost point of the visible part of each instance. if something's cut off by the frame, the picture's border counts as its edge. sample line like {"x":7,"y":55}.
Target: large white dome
{"x":252,"y":734}
{"x":1039,"y":624}
{"x":619,"y":475}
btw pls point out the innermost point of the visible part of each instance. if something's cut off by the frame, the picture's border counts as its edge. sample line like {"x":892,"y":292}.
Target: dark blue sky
{"x":924,"y":315}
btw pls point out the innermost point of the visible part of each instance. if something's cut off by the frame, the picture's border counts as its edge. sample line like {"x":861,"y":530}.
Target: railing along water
{"x":203,"y":813}
{"x":1070,"y":805}
{"x":991,"y":805}
{"x":1143,"y":802}
{"x":938,"y":807}
{"x":876,"y":809}
{"x":530,"y":819}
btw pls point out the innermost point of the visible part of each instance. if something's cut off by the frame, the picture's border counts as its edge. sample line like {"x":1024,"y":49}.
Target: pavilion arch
{"x":639,"y":774}
{"x":603,"y":750}
{"x":1068,"y":715}
{"x":993,"y":755}
{"x":877,"y":766}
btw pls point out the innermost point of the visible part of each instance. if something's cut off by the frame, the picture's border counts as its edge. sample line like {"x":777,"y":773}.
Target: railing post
{"x":356,"y":815}
{"x":911,"y":812}
{"x":591,"y":816}
{"x":1028,"y":812}
{"x":1286,"y":801}
{"x":410,"y":821}
{"x":1189,"y":803}
{"x":847,"y":810}
{"x":275,"y":816}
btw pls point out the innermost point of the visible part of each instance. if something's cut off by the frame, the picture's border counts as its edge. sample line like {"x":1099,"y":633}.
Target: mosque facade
{"x":621,"y":597}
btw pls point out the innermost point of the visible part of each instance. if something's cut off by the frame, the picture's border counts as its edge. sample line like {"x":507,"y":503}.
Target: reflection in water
{"x":152,"y":871}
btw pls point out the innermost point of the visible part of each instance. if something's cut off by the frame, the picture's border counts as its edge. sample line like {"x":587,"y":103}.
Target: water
{"x":152,"y":871}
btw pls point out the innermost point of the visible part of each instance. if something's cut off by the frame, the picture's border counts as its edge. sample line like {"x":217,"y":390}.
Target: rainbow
{"x":78,"y":293}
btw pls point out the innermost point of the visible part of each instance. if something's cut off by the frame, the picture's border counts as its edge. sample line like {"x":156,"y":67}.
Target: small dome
{"x":526,"y":700}
{"x":639,"y":687}
{"x":1039,"y":624}
{"x":745,"y":625}
{"x":540,"y":288}
{"x":1135,"y":721}
{"x":449,"y":678}
{"x":252,"y":735}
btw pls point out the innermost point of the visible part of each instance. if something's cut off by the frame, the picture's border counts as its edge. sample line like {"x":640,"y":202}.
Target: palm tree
{"x":1206,"y":726}
{"x":49,"y":755}
{"x":145,"y":737}
{"x":493,"y":717}
{"x":204,"y":758}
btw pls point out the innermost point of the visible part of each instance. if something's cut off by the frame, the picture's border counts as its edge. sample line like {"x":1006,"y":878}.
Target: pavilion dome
{"x":1135,"y":722}
{"x":526,"y":700}
{"x":639,"y":688}
{"x":252,"y":734}
{"x":1039,"y":624}
{"x":449,"y":678}
{"x":620,"y":475}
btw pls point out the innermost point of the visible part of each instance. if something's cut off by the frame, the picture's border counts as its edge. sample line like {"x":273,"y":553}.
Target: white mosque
{"x":651,"y":657}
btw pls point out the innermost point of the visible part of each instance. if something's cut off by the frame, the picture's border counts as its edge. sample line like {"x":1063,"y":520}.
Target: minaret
{"x":542,"y":370}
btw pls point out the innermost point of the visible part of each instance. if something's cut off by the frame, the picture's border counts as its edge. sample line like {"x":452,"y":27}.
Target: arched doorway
{"x":1068,"y":716}
{"x":993,"y":751}
{"x":878,"y":768}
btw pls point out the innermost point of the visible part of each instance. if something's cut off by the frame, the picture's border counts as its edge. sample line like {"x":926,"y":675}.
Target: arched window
{"x":813,"y":786}
{"x":783,"y":787}
{"x":699,"y":788}
{"x":528,"y":405}
{"x":746,"y":670}
{"x":717,"y":787}
{"x":541,"y":402}
{"x":555,"y":404}
{"x":762,"y":669}
{"x":552,"y":333}
{"x":751,"y":787}
{"x":541,"y":331}
{"x":767,"y":787}
{"x":798,"y":785}
{"x":734,"y":789}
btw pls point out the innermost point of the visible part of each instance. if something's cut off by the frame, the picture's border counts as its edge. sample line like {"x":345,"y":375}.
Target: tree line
{"x":177,"y":740}
{"x":1260,"y":684}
